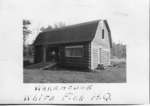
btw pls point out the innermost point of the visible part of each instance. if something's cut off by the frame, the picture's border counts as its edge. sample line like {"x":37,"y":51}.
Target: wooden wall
{"x":105,"y":57}
{"x":38,"y":54}
{"x":100,"y":48}
{"x":75,"y":62}
{"x":69,"y":62}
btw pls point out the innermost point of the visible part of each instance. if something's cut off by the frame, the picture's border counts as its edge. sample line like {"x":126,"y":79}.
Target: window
{"x":102,"y":33}
{"x":74,"y":51}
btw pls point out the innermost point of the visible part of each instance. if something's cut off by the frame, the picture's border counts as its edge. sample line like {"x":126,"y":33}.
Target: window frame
{"x":103,"y":33}
{"x":75,"y":47}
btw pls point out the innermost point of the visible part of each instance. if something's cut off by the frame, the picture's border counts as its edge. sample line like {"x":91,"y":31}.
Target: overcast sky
{"x":128,"y":19}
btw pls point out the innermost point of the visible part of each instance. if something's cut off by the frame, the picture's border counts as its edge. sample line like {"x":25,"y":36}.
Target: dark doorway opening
{"x":52,"y":54}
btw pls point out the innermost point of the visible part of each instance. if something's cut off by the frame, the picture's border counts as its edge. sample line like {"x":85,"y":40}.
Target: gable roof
{"x":69,"y":34}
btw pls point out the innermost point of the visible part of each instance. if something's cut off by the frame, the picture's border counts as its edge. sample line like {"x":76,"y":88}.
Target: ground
{"x":113,"y":74}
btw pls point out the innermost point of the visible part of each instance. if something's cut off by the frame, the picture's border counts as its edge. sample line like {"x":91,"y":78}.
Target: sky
{"x":128,"y":19}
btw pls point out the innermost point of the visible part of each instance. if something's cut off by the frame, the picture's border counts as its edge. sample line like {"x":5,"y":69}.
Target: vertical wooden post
{"x":44,"y":54}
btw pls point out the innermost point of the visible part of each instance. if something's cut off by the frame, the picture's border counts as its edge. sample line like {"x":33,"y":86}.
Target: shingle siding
{"x":100,"y":51}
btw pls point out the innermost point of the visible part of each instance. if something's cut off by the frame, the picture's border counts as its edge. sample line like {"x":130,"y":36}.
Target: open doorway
{"x":52,"y":54}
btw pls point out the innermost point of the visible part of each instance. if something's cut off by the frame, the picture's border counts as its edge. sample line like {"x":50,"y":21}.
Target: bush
{"x":100,"y":67}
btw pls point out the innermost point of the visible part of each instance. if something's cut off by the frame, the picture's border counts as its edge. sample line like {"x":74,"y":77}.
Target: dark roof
{"x":70,"y":34}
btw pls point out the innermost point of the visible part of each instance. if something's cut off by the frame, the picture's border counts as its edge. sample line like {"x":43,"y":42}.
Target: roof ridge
{"x":71,"y":26}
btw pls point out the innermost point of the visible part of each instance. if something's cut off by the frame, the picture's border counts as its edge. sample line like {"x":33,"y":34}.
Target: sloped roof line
{"x":73,"y":33}
{"x":109,"y":31}
{"x":71,"y":26}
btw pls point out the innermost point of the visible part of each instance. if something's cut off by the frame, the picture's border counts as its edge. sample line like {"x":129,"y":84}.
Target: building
{"x":83,"y":45}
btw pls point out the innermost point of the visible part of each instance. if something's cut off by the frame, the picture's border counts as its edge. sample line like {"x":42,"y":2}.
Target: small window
{"x":102,"y":33}
{"x":74,"y":51}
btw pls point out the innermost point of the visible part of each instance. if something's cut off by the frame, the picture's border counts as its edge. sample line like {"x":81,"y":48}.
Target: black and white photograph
{"x":74,"y":52}
{"x":80,"y":53}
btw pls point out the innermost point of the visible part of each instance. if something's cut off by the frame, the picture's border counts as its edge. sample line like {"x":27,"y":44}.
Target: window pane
{"x":74,"y":51}
{"x":103,"y":34}
{"x":68,"y":52}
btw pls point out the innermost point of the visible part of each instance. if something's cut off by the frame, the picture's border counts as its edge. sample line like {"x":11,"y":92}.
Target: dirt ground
{"x":114,"y":74}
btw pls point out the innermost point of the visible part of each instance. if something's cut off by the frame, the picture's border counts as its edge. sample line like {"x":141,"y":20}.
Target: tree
{"x":58,"y":25}
{"x":42,"y":29}
{"x":118,"y":50}
{"x":26,"y":30}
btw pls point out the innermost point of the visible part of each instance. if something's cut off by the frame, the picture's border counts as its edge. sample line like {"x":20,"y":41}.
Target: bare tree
{"x":118,"y":50}
{"x":26,"y":30}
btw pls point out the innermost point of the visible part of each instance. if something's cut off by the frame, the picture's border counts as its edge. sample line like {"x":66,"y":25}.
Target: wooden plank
{"x":76,"y":61}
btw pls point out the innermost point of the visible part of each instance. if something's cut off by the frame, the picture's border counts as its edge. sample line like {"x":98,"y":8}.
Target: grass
{"x":114,"y":74}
